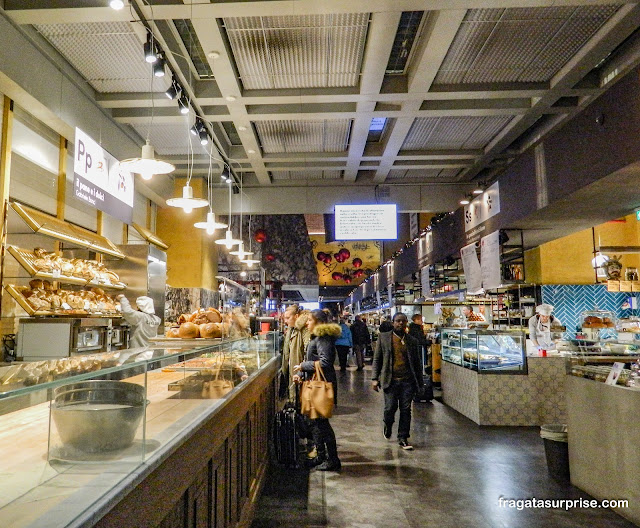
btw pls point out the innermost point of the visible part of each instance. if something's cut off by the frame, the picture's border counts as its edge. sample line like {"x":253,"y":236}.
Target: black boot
{"x":333,"y":462}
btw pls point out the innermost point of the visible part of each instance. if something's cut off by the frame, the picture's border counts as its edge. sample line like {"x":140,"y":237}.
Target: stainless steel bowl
{"x":98,"y":415}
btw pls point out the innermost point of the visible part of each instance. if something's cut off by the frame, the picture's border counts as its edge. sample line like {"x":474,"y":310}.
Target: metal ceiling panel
{"x":423,"y":174}
{"x":307,"y":51}
{"x":307,"y":175}
{"x":453,"y":132}
{"x":519,"y":44}
{"x":169,"y":139}
{"x":304,"y":136}
{"x":108,"y":55}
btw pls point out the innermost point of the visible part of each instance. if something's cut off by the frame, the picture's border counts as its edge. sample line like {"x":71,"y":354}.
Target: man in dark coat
{"x":361,"y":338}
{"x":397,"y":368}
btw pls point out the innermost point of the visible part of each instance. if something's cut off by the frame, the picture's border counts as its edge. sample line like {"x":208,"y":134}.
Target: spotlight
{"x":116,"y":5}
{"x":465,"y":201}
{"x":183,"y":103}
{"x":478,"y":190}
{"x":149,"y":50}
{"x":173,"y":90}
{"x":158,"y":67}
{"x":204,"y":136}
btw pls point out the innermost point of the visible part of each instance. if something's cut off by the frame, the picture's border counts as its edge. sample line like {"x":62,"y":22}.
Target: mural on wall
{"x":344,"y":263}
{"x":281,"y":244}
{"x":187,"y":300}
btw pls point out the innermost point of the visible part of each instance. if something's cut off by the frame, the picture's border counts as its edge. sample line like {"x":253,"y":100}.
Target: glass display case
{"x":485,"y":351}
{"x":86,"y":424}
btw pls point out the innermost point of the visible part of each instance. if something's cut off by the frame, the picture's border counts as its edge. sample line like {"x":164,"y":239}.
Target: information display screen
{"x":366,"y":222}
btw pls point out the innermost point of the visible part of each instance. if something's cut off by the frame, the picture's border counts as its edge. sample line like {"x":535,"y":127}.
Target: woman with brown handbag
{"x":322,"y":348}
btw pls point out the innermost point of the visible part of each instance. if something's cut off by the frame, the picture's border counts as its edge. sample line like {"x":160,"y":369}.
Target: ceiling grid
{"x":303,"y":88}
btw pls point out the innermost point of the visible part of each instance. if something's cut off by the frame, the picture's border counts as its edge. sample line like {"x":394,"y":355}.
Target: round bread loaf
{"x":188,"y":331}
{"x":210,"y":330}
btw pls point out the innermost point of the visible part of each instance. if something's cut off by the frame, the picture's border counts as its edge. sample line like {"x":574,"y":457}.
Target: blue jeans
{"x":399,"y":394}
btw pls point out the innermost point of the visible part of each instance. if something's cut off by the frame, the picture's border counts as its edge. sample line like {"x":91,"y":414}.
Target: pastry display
{"x":41,"y":263}
{"x":205,"y":323}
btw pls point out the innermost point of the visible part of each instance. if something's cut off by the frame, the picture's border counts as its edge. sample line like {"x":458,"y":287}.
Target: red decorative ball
{"x":270,"y":257}
{"x":358,"y":273}
{"x":357,"y":262}
{"x":260,"y":235}
{"x":347,"y":279}
{"x":336,"y":276}
{"x":345,"y":253}
{"x":327,"y":258}
{"x":321,"y":255}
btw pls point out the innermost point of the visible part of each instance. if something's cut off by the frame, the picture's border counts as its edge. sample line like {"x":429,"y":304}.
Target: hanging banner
{"x":98,"y":180}
{"x":490,"y":258}
{"x":390,"y":290}
{"x":425,"y":247}
{"x":482,"y":208}
{"x":472,"y":270}
{"x":425,"y":281}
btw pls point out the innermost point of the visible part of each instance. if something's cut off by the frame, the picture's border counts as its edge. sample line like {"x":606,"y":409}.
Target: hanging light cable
{"x":249,"y":261}
{"x":147,"y":165}
{"x":210,"y":225}
{"x":187,"y":202}
{"x":228,"y":241}
{"x":241,"y":253}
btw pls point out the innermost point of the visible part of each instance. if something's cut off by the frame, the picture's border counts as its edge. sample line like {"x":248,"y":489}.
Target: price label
{"x":56,"y":273}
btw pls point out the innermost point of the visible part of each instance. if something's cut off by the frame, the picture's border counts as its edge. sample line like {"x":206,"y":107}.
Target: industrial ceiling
{"x":343,"y":94}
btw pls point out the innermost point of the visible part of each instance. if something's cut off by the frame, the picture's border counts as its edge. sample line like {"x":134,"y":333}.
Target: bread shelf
{"x":27,"y":260}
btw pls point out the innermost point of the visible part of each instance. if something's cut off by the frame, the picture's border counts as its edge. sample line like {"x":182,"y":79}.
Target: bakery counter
{"x":603,"y":441}
{"x":520,"y":399}
{"x":198,"y":451}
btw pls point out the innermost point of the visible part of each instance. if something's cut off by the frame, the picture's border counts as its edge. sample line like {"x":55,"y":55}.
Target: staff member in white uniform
{"x":540,"y":327}
{"x":144,"y":322}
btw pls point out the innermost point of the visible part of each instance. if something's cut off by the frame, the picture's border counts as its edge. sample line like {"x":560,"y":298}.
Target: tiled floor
{"x":453,"y":479}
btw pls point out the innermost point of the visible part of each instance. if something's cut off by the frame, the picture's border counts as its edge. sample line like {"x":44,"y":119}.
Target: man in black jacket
{"x":361,"y":338}
{"x":397,"y":368}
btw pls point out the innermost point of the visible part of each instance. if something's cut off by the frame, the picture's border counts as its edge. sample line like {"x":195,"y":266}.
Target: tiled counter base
{"x":604,"y":436}
{"x":508,"y":399}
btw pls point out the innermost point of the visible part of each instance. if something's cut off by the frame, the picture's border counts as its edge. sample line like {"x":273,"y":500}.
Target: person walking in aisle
{"x":361,"y":338}
{"x":295,"y":344}
{"x":397,"y":368}
{"x":344,"y":344}
{"x":322,"y":348}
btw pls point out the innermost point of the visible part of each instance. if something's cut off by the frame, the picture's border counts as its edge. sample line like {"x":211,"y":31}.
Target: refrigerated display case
{"x":485,"y":351}
{"x":143,"y":409}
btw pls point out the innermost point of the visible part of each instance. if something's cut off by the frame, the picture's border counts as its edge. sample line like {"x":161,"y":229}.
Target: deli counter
{"x":487,"y":376}
{"x":135,"y":437}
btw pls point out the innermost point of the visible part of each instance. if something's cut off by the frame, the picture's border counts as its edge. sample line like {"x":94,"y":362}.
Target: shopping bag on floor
{"x":316,"y":396}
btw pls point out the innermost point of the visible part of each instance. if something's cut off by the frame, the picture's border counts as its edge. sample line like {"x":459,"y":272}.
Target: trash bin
{"x":556,"y":449}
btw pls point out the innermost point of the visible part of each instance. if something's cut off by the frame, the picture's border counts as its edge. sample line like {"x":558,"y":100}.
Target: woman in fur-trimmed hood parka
{"x":322,"y":348}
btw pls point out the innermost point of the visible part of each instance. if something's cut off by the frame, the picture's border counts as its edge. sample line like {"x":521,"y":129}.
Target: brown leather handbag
{"x":316,"y":395}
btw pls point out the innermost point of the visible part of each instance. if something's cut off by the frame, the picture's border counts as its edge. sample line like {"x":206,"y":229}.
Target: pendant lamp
{"x":241,"y":253}
{"x":187,"y":201}
{"x":228,"y":241}
{"x":210,"y":225}
{"x":146,"y":165}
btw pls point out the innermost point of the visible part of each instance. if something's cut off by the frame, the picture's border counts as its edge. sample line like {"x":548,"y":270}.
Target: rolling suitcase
{"x":286,"y":436}
{"x":426,"y":393}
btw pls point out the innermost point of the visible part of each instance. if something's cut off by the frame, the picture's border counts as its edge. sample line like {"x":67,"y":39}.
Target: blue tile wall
{"x":570,"y":300}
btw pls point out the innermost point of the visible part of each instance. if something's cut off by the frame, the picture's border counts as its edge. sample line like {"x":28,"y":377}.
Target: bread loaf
{"x":188,"y":331}
{"x":213,"y":315}
{"x":211,"y":330}
{"x":173,"y":332}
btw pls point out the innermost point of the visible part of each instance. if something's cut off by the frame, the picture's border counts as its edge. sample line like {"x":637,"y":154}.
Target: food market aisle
{"x":453,"y":479}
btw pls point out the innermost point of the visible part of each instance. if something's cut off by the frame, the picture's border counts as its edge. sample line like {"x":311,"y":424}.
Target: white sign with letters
{"x":425,"y":281}
{"x":482,"y":208}
{"x":99,"y":181}
{"x":472,"y":271}
{"x":425,"y":246}
{"x":490,"y":259}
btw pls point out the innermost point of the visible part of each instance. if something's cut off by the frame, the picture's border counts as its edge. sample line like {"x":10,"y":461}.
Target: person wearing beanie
{"x":144,"y":322}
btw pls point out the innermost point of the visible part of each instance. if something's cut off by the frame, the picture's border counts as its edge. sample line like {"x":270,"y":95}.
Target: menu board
{"x":490,"y":257}
{"x":472,"y":270}
{"x":98,"y":180}
{"x":366,"y":222}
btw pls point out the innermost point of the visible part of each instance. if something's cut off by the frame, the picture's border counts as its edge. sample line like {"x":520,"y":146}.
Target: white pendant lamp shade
{"x":210,"y":225}
{"x":187,"y":201}
{"x":241,"y":253}
{"x":147,"y":165}
{"x":250,"y":262}
{"x":228,"y":240}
